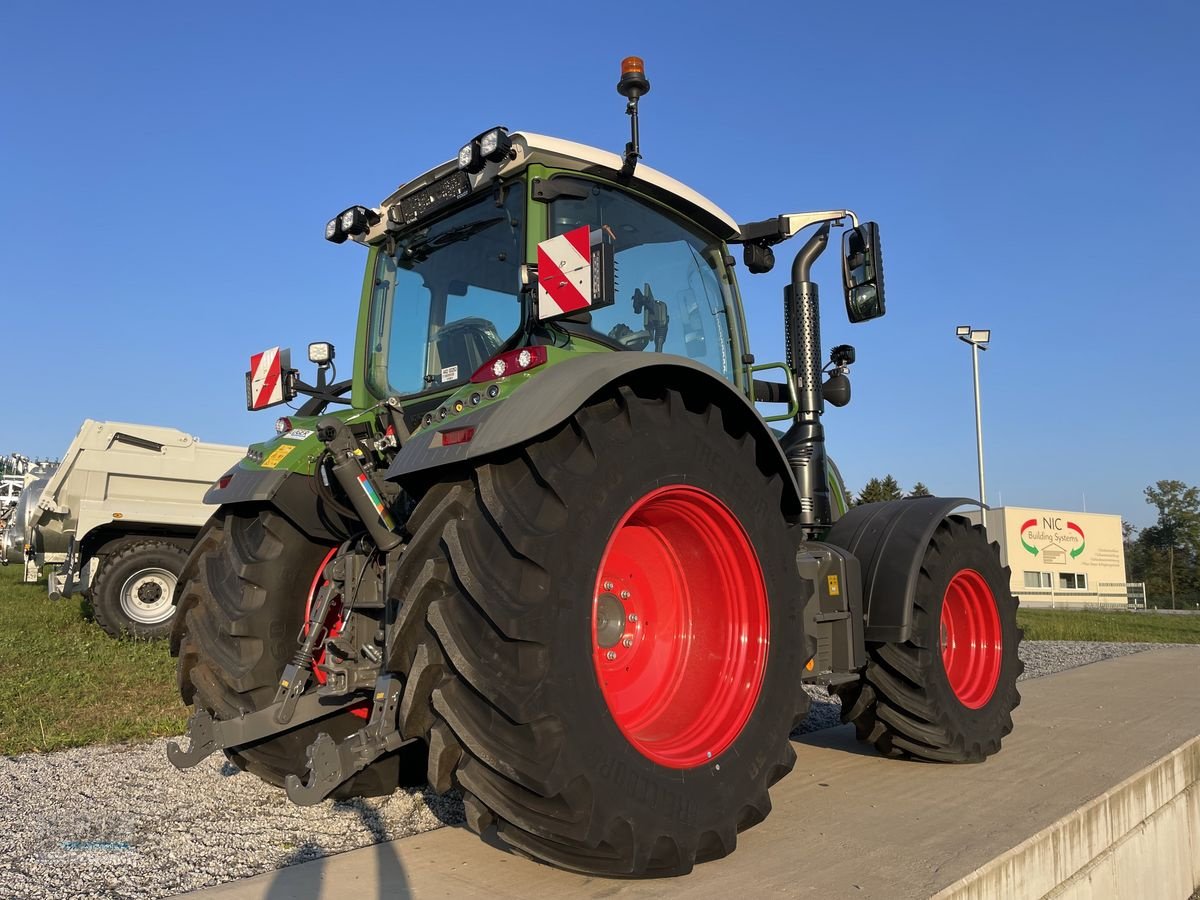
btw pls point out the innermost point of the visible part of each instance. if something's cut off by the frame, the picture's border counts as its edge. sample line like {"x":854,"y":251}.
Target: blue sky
{"x":166,"y":171}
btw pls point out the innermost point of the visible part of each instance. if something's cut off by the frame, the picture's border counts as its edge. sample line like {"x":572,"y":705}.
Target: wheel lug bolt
{"x":624,"y":595}
{"x":608,"y":585}
{"x":628,"y":642}
{"x":633,"y":617}
{"x":611,"y":655}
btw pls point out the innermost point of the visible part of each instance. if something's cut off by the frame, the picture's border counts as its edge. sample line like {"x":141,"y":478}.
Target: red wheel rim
{"x":972,"y":643}
{"x":334,"y":622}
{"x":680,"y":626}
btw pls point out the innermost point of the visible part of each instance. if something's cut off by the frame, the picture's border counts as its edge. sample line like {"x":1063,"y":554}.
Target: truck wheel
{"x":134,"y":587}
{"x":242,"y":596}
{"x":601,"y":638}
{"x":948,"y":692}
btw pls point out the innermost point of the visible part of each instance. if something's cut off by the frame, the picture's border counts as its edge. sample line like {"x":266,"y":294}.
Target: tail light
{"x":510,"y":363}
{"x":451,"y":436}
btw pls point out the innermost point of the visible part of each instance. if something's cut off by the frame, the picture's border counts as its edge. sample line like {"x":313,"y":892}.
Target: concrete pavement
{"x":846,"y":822}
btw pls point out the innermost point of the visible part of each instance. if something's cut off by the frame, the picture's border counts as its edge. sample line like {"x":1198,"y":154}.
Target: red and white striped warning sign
{"x":264,"y":385}
{"x":565,"y":273}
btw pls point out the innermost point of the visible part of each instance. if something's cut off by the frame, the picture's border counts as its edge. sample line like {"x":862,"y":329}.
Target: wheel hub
{"x":610,"y":620}
{"x":149,"y":592}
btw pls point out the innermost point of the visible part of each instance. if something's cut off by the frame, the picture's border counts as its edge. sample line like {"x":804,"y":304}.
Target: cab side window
{"x":669,"y":292}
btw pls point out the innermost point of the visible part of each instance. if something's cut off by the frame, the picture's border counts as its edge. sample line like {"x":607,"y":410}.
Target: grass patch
{"x":1082,"y":625}
{"x":65,"y":683}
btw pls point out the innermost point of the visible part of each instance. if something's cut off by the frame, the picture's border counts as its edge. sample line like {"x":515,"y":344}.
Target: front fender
{"x":289,"y":492}
{"x":552,"y":397}
{"x":889,"y":540}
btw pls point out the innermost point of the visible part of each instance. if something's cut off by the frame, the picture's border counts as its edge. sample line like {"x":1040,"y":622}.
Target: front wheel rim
{"x":680,"y":626}
{"x":971,"y":638}
{"x":148,"y":596}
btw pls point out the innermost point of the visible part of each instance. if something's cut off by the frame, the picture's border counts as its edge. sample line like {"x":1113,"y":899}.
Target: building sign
{"x":1054,"y":538}
{"x":1063,"y":539}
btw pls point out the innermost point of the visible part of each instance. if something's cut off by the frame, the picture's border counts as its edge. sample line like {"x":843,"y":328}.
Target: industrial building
{"x":1062,"y":559}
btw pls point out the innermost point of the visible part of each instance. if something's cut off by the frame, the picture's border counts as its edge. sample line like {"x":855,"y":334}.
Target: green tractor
{"x":542,"y":548}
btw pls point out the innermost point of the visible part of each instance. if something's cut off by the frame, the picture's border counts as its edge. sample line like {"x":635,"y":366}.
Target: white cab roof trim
{"x":542,"y":145}
{"x":569,"y":155}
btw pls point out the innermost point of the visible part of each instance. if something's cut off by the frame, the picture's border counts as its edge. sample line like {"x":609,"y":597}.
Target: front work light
{"x":320,"y":353}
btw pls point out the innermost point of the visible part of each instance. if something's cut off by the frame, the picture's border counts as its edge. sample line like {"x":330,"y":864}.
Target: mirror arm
{"x":793,"y":223}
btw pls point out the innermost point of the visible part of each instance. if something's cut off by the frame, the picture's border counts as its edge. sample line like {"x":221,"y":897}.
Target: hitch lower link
{"x":329,"y":763}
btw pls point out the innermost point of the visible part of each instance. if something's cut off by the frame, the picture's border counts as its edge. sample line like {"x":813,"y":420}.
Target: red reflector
{"x":510,"y":363}
{"x":223,"y":482}
{"x":453,"y":436}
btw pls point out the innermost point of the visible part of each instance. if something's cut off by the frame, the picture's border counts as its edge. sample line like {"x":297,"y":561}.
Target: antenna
{"x":633,"y":85}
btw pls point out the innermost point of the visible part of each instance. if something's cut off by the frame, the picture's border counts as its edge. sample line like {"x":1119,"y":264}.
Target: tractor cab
{"x":454,"y":265}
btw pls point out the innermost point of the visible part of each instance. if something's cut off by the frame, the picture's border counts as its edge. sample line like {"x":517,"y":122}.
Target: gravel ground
{"x":121,"y":822}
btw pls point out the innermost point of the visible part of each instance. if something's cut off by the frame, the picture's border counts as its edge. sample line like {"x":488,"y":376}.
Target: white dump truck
{"x":119,"y":516}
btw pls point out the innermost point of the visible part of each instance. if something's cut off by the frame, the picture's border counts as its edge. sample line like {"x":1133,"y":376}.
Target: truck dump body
{"x":120,"y":472}
{"x":119,"y":483}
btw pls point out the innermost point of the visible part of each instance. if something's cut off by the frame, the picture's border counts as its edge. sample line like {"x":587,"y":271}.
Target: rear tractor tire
{"x":133,"y":591}
{"x":948,"y":692}
{"x":242,"y":602}
{"x":600,"y":638}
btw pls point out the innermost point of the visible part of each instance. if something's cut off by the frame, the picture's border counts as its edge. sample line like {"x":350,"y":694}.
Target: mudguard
{"x":289,"y":492}
{"x":544,"y":402}
{"x":889,"y":540}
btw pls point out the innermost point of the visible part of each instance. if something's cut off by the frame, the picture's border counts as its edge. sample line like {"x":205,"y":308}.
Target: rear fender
{"x":552,"y":397}
{"x":889,"y":540}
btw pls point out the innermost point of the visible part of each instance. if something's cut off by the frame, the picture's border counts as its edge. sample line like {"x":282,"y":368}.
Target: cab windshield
{"x":447,"y":298}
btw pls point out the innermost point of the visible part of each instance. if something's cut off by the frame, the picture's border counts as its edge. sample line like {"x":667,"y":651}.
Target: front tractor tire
{"x":601,"y":638}
{"x":242,"y":601}
{"x":948,"y":692}
{"x":132,"y":594}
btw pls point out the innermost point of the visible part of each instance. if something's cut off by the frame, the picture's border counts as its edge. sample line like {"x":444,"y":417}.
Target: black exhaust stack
{"x":805,"y":441}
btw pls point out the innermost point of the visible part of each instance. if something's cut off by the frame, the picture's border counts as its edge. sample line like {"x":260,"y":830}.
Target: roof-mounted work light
{"x":333,"y":230}
{"x":470,"y":158}
{"x":349,"y":223}
{"x":493,"y":145}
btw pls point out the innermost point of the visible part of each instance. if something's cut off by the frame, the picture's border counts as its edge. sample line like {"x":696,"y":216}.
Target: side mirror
{"x":862,"y":273}
{"x":575,"y":272}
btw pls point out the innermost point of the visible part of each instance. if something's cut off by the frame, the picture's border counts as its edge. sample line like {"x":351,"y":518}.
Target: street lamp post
{"x":978,"y":338}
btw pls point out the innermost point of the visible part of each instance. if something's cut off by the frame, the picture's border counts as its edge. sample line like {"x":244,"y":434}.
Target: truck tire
{"x":948,"y":692}
{"x":242,"y":599}
{"x":602,"y":641}
{"x":133,"y":591}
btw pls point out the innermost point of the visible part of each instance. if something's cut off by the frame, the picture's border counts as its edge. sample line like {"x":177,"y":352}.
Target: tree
{"x":1178,"y":525}
{"x":919,"y":490}
{"x":878,"y":490}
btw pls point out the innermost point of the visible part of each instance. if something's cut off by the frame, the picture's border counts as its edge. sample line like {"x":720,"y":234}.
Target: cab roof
{"x":532,"y":148}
